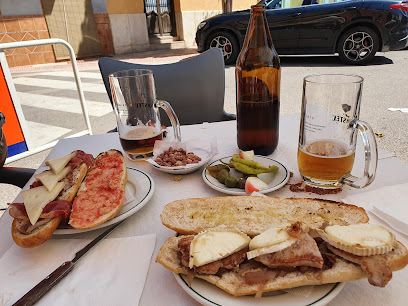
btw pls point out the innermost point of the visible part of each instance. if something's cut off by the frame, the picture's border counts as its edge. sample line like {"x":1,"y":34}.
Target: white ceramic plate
{"x":279,"y":181}
{"x":208,"y":294}
{"x":141,"y":186}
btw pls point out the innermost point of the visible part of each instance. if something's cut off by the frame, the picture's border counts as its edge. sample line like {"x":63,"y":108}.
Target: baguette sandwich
{"x":48,"y":201}
{"x":250,"y":245}
{"x":78,"y":189}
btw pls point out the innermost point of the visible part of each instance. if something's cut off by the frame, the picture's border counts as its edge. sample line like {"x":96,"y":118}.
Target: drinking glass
{"x":328,"y":132}
{"x":137,"y":112}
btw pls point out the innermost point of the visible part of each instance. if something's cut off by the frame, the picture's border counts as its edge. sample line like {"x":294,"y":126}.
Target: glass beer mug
{"x":137,"y":112}
{"x":328,"y":132}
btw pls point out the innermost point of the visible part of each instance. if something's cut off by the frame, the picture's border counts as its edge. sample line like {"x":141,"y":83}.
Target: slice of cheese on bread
{"x":35,"y":199}
{"x":57,"y":164}
{"x":359,"y":239}
{"x":272,"y":240}
{"x":210,"y":246}
{"x":271,"y":236}
{"x":49,"y":179}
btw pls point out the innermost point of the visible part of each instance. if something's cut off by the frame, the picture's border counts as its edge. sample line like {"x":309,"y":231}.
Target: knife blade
{"x":39,"y":290}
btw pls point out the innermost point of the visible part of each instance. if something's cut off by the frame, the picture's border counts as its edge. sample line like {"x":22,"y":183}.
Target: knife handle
{"x":32,"y":296}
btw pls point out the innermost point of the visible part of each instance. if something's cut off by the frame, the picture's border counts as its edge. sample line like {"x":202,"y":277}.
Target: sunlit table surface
{"x":161,"y":287}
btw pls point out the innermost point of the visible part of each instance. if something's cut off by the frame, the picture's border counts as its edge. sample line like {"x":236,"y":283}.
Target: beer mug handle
{"x":371,"y":156}
{"x":172,"y":116}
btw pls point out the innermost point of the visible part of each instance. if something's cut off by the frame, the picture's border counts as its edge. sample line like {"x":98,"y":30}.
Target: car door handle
{"x":350,"y":8}
{"x":295,"y":14}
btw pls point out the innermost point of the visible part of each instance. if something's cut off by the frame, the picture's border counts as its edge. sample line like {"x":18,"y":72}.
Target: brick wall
{"x":22,"y":28}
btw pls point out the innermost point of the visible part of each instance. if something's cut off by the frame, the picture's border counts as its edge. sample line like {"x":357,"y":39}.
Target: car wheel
{"x":358,"y":46}
{"x":227,"y":43}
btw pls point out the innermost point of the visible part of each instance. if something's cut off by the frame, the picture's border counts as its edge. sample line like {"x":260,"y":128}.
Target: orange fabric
{"x":12,"y":128}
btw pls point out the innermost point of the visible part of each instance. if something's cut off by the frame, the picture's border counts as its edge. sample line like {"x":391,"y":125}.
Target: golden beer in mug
{"x":328,"y":132}
{"x":137,"y":112}
{"x":139,"y":142}
{"x":326,"y":160}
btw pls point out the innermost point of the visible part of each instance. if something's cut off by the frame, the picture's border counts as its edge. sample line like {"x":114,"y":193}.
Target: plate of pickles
{"x":242,"y":174}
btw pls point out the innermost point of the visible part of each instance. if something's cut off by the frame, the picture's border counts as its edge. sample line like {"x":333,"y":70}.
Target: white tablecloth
{"x":161,"y":287}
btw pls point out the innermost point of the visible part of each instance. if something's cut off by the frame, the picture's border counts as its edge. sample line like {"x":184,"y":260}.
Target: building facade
{"x":103,"y":27}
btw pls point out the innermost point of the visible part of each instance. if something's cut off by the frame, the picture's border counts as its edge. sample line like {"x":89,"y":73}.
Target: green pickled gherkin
{"x":252,"y":171}
{"x":250,"y":163}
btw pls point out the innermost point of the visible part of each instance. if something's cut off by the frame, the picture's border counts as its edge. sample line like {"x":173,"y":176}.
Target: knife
{"x":32,"y":296}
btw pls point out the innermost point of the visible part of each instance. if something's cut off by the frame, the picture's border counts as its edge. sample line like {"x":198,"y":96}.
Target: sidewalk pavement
{"x":147,"y":57}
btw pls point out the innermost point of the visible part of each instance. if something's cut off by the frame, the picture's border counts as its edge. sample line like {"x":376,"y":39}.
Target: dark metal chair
{"x":11,"y":175}
{"x":194,"y":87}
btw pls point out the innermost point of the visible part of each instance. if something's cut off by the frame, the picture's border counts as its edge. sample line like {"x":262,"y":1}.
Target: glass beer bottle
{"x":258,"y":77}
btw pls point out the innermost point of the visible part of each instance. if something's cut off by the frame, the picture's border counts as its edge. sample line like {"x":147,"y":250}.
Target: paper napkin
{"x":388,"y":203}
{"x":112,"y":273}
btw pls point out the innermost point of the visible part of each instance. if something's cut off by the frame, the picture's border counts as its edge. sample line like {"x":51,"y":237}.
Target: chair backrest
{"x":194,"y":87}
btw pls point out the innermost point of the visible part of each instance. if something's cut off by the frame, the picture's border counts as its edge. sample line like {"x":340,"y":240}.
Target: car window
{"x":277,"y":4}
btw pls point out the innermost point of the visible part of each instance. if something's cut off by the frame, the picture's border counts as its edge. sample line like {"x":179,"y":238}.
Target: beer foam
{"x":141,"y":132}
{"x":327,"y":148}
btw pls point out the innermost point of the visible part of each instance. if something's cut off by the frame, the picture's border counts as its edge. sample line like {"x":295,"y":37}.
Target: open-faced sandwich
{"x":251,"y":245}
{"x":102,"y":192}
{"x":75,"y":178}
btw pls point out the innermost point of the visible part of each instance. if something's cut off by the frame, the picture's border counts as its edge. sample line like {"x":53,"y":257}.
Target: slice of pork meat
{"x":304,"y":252}
{"x":376,"y":267}
{"x":184,"y":249}
{"x":228,"y":263}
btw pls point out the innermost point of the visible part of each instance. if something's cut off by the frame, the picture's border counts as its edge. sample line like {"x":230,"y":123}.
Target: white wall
{"x":129,"y":32}
{"x":187,"y":23}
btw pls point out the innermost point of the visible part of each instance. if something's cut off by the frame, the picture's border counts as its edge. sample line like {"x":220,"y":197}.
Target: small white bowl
{"x":183,"y":169}
{"x":205,"y":149}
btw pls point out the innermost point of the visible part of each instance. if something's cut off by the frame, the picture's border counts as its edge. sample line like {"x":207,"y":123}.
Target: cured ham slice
{"x":80,"y":158}
{"x":51,"y":210}
{"x":71,"y":178}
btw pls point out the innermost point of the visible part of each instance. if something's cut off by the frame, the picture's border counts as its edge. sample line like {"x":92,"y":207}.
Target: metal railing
{"x":14,"y":96}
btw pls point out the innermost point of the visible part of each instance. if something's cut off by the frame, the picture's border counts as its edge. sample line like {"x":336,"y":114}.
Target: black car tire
{"x":227,"y":43}
{"x":358,"y":45}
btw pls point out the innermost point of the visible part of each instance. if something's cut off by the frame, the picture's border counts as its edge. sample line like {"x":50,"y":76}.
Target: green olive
{"x":231,"y":182}
{"x":241,"y":183}
{"x":222,"y":175}
{"x":214,"y":170}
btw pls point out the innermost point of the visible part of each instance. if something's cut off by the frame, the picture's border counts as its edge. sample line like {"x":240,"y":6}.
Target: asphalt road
{"x":385,"y":86}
